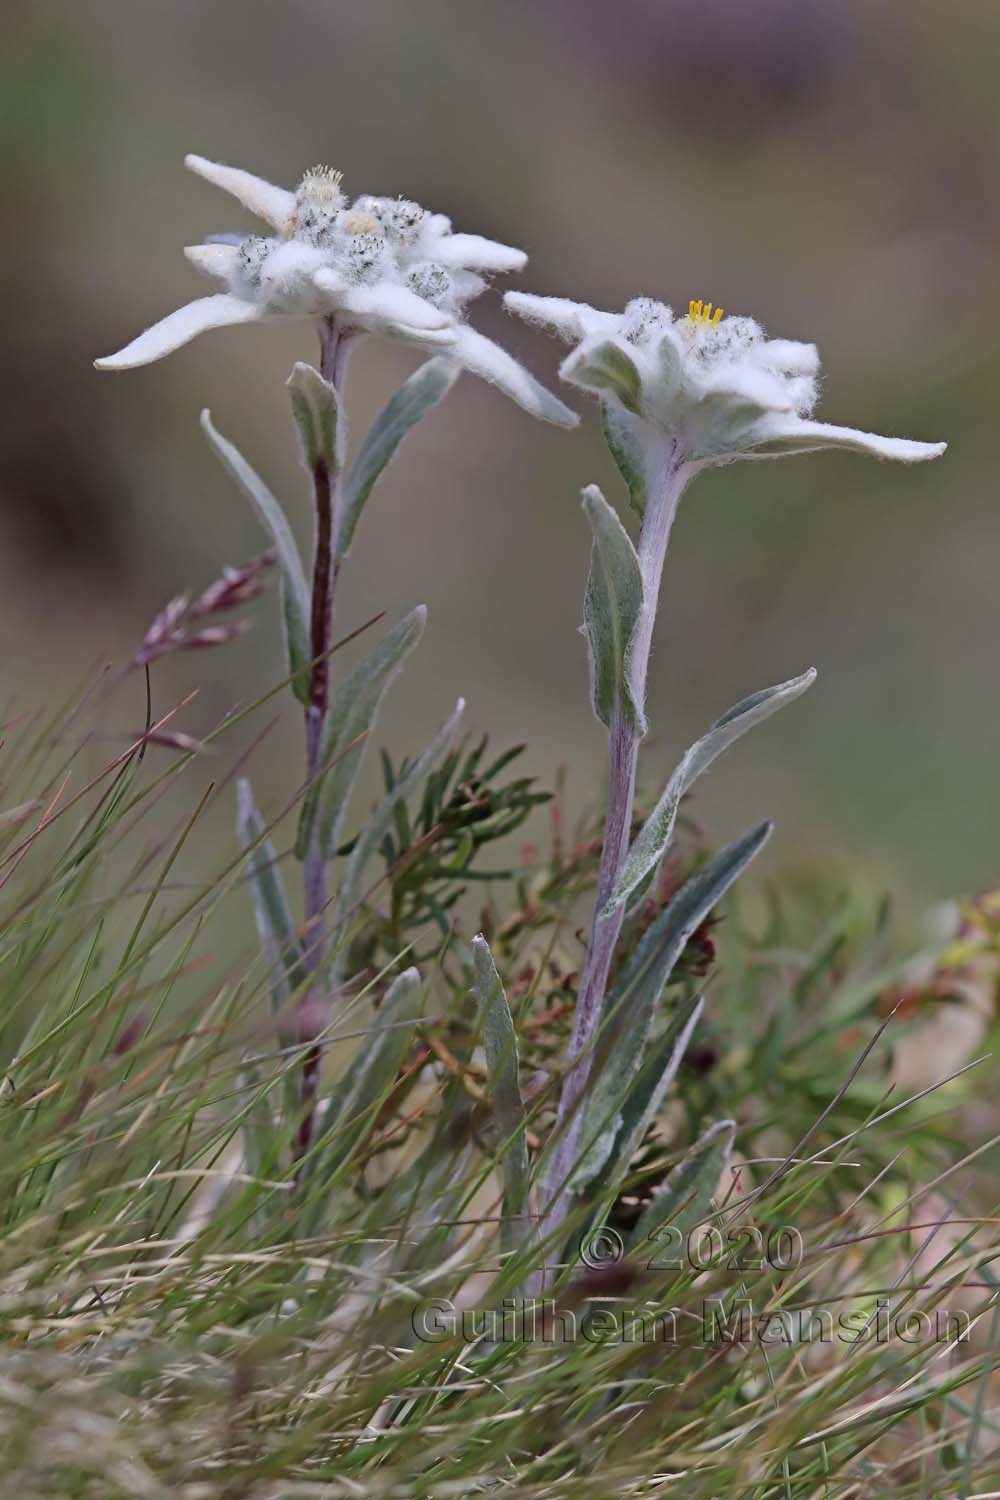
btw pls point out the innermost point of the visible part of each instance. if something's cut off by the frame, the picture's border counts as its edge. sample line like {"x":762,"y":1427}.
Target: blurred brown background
{"x":830,"y":168}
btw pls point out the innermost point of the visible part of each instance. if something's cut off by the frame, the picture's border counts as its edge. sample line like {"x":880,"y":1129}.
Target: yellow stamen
{"x":701,"y":314}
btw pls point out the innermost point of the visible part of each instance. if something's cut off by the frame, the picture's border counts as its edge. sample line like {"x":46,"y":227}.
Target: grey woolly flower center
{"x":432,"y":282}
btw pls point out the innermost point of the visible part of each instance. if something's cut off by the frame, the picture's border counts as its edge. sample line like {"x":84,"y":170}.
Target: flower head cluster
{"x":377,"y":265}
{"x":716,"y":385}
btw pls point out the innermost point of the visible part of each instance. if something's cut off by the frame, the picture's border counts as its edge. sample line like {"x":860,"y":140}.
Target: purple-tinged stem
{"x":667,"y":477}
{"x":335,"y":345}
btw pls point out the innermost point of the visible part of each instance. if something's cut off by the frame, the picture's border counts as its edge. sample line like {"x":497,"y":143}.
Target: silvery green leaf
{"x":353,"y":710}
{"x":630,"y":1006}
{"x":294,"y":590}
{"x":654,"y":837}
{"x":415,"y":398}
{"x":500,"y":1044}
{"x":275,"y":927}
{"x":621,"y":433}
{"x":686,"y":1196}
{"x":627,"y":1098}
{"x":606,"y":365}
{"x":380,"y":821}
{"x":319,"y":418}
{"x":612,"y":610}
{"x":353,"y":1106}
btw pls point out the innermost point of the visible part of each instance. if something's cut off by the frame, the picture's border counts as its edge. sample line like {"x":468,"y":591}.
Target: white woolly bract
{"x":180,"y":328}
{"x":717,"y":386}
{"x":379,"y":265}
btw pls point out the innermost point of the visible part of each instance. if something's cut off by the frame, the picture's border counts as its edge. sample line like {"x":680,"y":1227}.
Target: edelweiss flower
{"x":715,"y":384}
{"x":381,"y":265}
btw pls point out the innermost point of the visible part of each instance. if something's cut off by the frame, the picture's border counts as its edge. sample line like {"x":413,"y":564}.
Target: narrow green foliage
{"x":686,"y":1197}
{"x":187,"y":1313}
{"x":274,"y":919}
{"x":381,"y":820}
{"x":430,"y":854}
{"x":294,"y":591}
{"x":419,"y":395}
{"x":500,"y":1045}
{"x":612,"y":609}
{"x":356,"y":1099}
{"x":352,"y":713}
{"x":319,"y":418}
{"x":182,"y":1316}
{"x":653,"y":839}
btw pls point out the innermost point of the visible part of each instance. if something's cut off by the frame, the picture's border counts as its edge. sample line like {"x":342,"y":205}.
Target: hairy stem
{"x":667,"y":478}
{"x":328,"y":496}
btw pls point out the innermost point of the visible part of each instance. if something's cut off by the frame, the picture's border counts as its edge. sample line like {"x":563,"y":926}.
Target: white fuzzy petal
{"x":332,"y":282}
{"x":482,"y":357}
{"x":214,"y":260}
{"x":273,"y":204}
{"x":179,"y":328}
{"x":383,"y":305}
{"x":778,"y":435}
{"x":571,"y":321}
{"x":287,"y":285}
{"x":786,"y":355}
{"x":435,"y":340}
{"x":748,"y":386}
{"x":474,"y":253}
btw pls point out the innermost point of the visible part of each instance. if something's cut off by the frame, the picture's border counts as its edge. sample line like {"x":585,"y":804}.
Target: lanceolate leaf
{"x":353,"y":711}
{"x":382,"y":818}
{"x":654,"y":838}
{"x":419,"y":395}
{"x":616,"y":1122}
{"x":294,"y":591}
{"x":500,"y":1043}
{"x":629,"y":1008}
{"x":274,"y":920}
{"x":686,"y":1196}
{"x":612,"y":610}
{"x":318,"y":416}
{"x":625,"y":448}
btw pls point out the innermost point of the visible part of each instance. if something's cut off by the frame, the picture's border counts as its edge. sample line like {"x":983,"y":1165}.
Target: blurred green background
{"x":828,"y":167}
